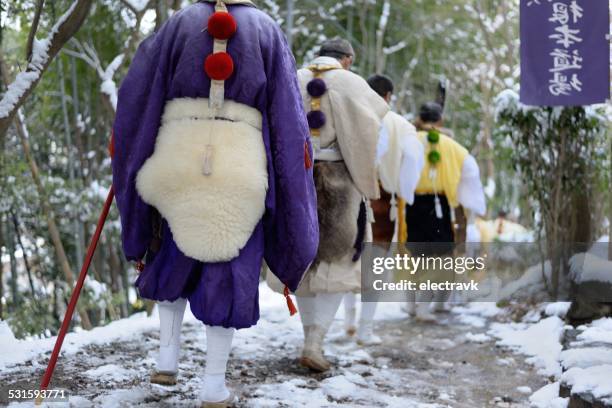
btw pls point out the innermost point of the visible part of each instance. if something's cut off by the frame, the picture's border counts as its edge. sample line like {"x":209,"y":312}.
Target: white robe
{"x":400,"y":157}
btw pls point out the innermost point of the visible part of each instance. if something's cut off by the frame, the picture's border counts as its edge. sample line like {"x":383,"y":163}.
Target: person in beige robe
{"x":400,"y":160}
{"x":345,"y":116}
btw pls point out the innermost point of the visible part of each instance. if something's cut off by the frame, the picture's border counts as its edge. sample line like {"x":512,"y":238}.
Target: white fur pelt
{"x":211,"y":216}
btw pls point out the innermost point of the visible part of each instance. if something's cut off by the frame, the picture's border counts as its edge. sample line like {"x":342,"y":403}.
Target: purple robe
{"x":169,"y":65}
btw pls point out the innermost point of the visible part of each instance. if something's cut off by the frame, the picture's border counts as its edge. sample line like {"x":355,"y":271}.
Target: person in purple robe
{"x":213,"y":175}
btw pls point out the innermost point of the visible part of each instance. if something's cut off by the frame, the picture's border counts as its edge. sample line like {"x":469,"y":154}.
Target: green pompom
{"x":433,"y":136}
{"x":434,"y":157}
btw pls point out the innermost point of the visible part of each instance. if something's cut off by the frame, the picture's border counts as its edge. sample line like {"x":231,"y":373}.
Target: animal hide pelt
{"x":338,"y":208}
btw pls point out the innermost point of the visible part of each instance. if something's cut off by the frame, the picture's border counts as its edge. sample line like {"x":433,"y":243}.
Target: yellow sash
{"x":448,"y":170}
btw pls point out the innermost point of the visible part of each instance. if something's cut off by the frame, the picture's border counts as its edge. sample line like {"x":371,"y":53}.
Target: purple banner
{"x":565,"y":52}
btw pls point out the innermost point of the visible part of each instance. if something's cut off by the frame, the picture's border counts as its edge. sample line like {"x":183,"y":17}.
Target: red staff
{"x":77,"y":289}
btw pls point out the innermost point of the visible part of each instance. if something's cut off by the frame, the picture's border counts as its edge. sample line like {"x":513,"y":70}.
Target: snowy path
{"x":448,"y":364}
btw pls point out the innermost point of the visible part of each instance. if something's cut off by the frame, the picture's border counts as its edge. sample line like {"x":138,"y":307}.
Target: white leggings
{"x":218,"y":340}
{"x":320,"y":309}
{"x":368,"y":309}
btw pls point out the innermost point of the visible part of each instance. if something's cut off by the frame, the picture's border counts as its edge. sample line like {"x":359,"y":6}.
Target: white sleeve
{"x":470,"y":192}
{"x":413,"y":160}
{"x":383,"y":143}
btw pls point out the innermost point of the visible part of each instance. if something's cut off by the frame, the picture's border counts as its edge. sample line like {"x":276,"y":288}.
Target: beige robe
{"x":354,"y":115}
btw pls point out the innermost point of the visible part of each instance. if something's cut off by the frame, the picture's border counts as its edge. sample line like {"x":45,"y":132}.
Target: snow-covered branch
{"x":137,"y":6}
{"x":43,"y":52}
{"x":88,"y":53}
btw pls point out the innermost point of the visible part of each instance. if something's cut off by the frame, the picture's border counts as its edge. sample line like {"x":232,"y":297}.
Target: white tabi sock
{"x":170,"y":322}
{"x":350,"y":311}
{"x":218,"y":347}
{"x":365,"y":333}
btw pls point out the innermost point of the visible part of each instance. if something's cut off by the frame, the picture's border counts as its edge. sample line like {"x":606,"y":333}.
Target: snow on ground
{"x":476,"y":313}
{"x":593,"y":380}
{"x":599,"y":331}
{"x":477,"y":338}
{"x":548,"y":397}
{"x":588,"y":364}
{"x":20,"y":351}
{"x":418,"y":366}
{"x":586,"y":357}
{"x":585,"y":267}
{"x":530,"y":281}
{"x":559,"y":309}
{"x":540,"y":341}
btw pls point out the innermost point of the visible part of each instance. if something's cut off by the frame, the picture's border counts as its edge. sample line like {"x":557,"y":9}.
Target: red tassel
{"x":307,"y":160}
{"x":290,"y":305}
{"x":140,"y":266}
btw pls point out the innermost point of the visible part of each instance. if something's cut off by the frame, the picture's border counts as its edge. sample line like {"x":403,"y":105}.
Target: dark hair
{"x":381,"y":84}
{"x":430,"y":112}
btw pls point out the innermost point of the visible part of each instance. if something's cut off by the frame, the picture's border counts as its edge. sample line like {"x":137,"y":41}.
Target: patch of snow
{"x":295,"y":390}
{"x":557,"y":309}
{"x":476,"y":313}
{"x":338,"y":387}
{"x":121,"y":398}
{"x":593,"y":380}
{"x":548,"y":397}
{"x":108,"y":86}
{"x":505,"y":361}
{"x":599,"y":331}
{"x":539,"y":341}
{"x":110,"y":372}
{"x":586,"y":357}
{"x":530,"y":279}
{"x":138,"y":5}
{"x":477,"y":338}
{"x":524,"y":390}
{"x":585,"y":267}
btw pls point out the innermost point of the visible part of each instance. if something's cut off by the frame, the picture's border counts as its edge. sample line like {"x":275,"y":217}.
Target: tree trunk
{"x":13,"y":263}
{"x":161,"y":9}
{"x":62,"y":259}
{"x":26,"y":263}
{"x":78,"y":237}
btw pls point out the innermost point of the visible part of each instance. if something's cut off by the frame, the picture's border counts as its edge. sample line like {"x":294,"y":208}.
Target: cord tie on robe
{"x":290,"y":305}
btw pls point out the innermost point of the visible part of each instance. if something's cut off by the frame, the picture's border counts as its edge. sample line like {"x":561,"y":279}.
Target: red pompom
{"x":222,"y":25}
{"x":219,"y":66}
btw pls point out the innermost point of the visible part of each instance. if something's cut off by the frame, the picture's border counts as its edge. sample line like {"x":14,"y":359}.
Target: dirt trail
{"x":417,"y":365}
